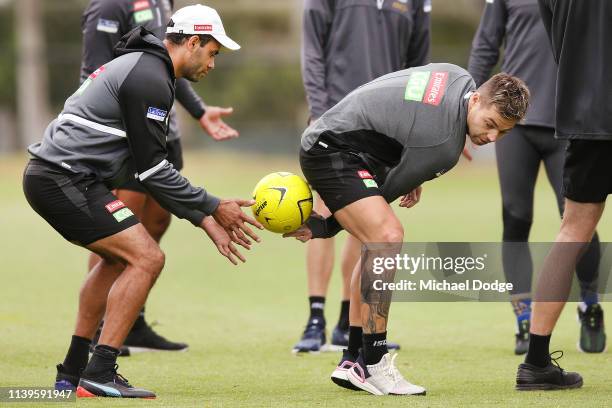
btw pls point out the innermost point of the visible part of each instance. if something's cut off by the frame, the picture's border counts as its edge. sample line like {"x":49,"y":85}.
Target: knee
{"x":158,"y":226}
{"x":392,"y":233}
{"x":152,"y":261}
{"x":516,"y":228}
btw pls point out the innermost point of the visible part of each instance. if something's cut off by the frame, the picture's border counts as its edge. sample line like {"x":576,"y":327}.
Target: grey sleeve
{"x":177,"y":195}
{"x":418,"y":50}
{"x":416,"y":167}
{"x":488,"y":40}
{"x":317,"y":20}
{"x":145,"y":98}
{"x":190,"y":100}
{"x":103,"y":26}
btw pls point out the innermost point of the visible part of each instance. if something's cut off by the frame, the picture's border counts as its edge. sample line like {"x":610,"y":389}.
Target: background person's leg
{"x":155,"y":219}
{"x":350,"y":257}
{"x":319,"y":267}
{"x":577,"y":229}
{"x":518,"y":163}
{"x":590,"y":312}
{"x":588,"y":266}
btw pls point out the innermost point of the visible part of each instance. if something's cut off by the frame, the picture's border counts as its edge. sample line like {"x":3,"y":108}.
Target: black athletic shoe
{"x":551,"y":377}
{"x":313,"y":337}
{"x":339,"y":376}
{"x":339,"y":341}
{"x":145,"y":338}
{"x":592,"y":333}
{"x":521,"y":345}
{"x":123,"y":351}
{"x":65,"y":381}
{"x":119,"y":387}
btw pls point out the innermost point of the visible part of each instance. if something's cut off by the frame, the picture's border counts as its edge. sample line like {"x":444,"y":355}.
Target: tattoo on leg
{"x":377,"y":317}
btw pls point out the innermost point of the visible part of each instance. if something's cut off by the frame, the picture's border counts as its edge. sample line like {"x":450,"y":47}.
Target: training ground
{"x":241,"y":322}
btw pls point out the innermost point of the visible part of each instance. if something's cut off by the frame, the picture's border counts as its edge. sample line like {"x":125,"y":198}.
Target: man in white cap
{"x":103,"y":24}
{"x":112,"y":128}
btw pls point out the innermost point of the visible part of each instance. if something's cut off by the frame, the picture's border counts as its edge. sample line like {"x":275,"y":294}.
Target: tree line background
{"x":40,"y":44}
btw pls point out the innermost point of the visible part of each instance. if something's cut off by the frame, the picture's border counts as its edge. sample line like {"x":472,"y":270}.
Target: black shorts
{"x":79,"y":207}
{"x":339,"y":176}
{"x":587,"y":175}
{"x":175,"y":156}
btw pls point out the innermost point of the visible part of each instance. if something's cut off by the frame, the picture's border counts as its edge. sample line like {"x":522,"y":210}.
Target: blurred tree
{"x":32,"y":95}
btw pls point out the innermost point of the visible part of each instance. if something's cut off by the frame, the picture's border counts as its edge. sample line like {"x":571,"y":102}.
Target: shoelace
{"x":123,"y":381}
{"x":148,"y":329}
{"x":594,"y":319}
{"x":393,"y":372}
{"x":555,"y":360}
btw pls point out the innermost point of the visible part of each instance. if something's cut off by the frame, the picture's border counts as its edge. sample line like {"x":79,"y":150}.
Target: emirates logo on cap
{"x":203,"y":27}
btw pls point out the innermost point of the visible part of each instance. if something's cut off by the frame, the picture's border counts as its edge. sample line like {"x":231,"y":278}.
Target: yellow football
{"x":283,"y":202}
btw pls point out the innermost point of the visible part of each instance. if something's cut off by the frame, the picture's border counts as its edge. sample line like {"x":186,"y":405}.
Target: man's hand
{"x":222,"y":240}
{"x":212,"y":123}
{"x":229,"y":216}
{"x":301,"y":234}
{"x":411,"y":199}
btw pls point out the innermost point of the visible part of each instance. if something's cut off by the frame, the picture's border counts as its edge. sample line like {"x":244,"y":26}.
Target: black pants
{"x":519,"y":156}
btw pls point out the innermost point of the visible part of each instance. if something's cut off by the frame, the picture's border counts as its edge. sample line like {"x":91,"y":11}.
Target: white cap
{"x":199,"y":19}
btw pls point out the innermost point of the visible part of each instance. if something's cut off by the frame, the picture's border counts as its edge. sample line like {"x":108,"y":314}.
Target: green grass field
{"x":242,"y":321}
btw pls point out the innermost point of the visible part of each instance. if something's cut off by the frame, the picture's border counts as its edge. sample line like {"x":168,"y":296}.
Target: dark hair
{"x":509,"y":94}
{"x":179,"y":38}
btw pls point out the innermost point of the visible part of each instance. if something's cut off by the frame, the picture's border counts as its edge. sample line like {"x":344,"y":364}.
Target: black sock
{"x":102,"y":364}
{"x":355,"y":340}
{"x":140,"y":320}
{"x":374,"y":347}
{"x":317,"y":304}
{"x":343,"y":321}
{"x":538,"y":354}
{"x":77,"y":356}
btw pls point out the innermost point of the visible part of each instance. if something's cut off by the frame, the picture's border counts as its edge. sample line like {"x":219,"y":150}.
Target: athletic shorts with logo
{"x":340,"y":176}
{"x":175,"y":156}
{"x":79,"y":207}
{"x":587,"y":175}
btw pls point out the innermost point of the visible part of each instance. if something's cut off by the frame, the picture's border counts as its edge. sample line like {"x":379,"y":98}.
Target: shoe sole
{"x":339,"y":377}
{"x":83,"y":393}
{"x":547,"y":387}
{"x":365,"y":386}
{"x":137,"y":350}
{"x":580,"y":349}
{"x":298,"y":352}
{"x":332,"y":348}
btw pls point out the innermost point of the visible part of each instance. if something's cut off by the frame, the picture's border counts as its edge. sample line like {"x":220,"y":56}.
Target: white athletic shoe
{"x":382,"y":378}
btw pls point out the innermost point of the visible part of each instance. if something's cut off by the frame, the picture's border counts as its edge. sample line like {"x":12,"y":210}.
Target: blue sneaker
{"x":65,"y":381}
{"x":313,"y":337}
{"x":340,"y":340}
{"x":521,"y":344}
{"x":592,"y":332}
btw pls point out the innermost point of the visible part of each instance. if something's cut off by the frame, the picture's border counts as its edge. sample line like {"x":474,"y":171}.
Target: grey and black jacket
{"x":413,"y":123}
{"x":115,"y":125}
{"x":347,"y":43}
{"x":517,"y":26}
{"x":104,"y":22}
